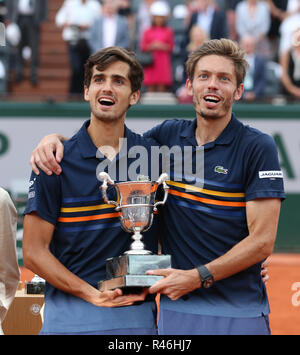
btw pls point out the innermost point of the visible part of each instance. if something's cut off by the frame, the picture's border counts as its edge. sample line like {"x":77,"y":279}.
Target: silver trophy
{"x":136,"y":202}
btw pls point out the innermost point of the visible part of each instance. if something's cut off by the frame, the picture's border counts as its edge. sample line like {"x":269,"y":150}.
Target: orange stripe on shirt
{"x":206,"y":200}
{"x":88,"y":218}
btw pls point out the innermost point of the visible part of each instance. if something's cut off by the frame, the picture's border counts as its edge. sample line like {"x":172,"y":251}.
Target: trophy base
{"x":129,"y":283}
{"x":129,"y":271}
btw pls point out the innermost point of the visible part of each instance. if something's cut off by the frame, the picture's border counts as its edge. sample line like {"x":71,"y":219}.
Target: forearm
{"x":246,"y":253}
{"x":43,"y":263}
{"x":38,"y":258}
{"x":262,"y":220}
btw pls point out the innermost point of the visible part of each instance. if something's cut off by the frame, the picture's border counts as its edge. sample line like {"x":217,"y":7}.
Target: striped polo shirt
{"x":87,"y":232}
{"x":205,"y":217}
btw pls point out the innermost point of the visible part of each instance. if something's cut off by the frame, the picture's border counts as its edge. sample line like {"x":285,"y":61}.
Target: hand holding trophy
{"x":136,"y":201}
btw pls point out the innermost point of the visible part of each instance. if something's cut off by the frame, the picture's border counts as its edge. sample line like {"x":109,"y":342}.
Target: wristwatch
{"x":207,"y":280}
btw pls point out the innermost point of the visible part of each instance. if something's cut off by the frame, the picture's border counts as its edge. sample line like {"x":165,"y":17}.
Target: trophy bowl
{"x":136,"y":202}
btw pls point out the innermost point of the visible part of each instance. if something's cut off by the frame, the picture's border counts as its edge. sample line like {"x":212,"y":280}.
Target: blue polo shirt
{"x":87,"y":232}
{"x":199,"y":224}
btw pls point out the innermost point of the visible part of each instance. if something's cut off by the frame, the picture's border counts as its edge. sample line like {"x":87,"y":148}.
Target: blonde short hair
{"x":222,"y":47}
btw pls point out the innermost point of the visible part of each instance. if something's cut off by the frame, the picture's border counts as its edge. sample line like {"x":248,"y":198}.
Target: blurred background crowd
{"x":48,"y":42}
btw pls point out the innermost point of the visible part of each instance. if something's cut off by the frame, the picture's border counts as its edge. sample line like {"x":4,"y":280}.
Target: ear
{"x":134,"y":97}
{"x":86,"y":93}
{"x":239,"y":92}
{"x":189,"y":86}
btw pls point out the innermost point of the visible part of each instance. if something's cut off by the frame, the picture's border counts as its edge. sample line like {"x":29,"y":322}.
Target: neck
{"x":106,"y":134}
{"x":208,"y":129}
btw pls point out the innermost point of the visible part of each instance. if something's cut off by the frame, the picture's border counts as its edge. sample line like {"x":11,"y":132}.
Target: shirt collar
{"x":225,"y":137}
{"x":87,"y":147}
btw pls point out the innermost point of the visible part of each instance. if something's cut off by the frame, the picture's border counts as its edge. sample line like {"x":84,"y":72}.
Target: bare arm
{"x":48,"y":153}
{"x":286,"y":80}
{"x":38,"y":258}
{"x":262,"y":217}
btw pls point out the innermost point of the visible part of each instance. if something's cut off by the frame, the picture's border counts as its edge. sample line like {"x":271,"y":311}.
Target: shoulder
{"x":145,"y":141}
{"x":6,"y":203}
{"x":4,"y":197}
{"x":70,"y":145}
{"x":254,"y":139}
{"x":168,"y":131}
{"x":173,"y":124}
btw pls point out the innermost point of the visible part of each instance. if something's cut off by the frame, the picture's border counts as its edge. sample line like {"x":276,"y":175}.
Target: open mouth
{"x":105,"y":101}
{"x":212,"y":99}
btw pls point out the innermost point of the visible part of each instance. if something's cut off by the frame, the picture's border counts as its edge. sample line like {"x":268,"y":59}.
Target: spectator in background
{"x":9,"y":270}
{"x":3,"y":53}
{"x":253,"y":18}
{"x":76,"y":17}
{"x":125,"y":10}
{"x":255,"y":79}
{"x":197,"y":37}
{"x":289,"y":24}
{"x":290,"y":63}
{"x":28,"y":15}
{"x":110,"y":29}
{"x":159,"y":40}
{"x":230,"y":16}
{"x":143,"y":18}
{"x":3,"y":11}
{"x":210,"y":18}
{"x":278,"y":12}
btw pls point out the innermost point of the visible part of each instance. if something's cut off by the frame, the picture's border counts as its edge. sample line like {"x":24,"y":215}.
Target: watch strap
{"x":205,"y":275}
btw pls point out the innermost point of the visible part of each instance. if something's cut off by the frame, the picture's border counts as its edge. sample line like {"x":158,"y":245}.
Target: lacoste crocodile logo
{"x":220,"y":170}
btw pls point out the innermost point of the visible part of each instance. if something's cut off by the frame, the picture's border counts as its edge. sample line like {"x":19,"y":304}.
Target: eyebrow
{"x":115,"y":76}
{"x":218,"y":73}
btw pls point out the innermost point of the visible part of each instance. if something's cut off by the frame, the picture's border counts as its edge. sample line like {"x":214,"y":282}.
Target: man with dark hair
{"x":220,"y":230}
{"x":69,"y":231}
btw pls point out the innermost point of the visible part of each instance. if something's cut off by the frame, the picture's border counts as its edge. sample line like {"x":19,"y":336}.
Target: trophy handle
{"x":162,"y":180}
{"x":106,"y":179}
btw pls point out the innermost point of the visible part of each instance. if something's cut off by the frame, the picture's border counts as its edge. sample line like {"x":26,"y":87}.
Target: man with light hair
{"x":219,"y":234}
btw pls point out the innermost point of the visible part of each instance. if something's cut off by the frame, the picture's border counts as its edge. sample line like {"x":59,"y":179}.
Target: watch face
{"x":208,"y":283}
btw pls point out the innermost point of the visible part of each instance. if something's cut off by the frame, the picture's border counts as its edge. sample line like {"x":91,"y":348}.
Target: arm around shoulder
{"x":48,"y":154}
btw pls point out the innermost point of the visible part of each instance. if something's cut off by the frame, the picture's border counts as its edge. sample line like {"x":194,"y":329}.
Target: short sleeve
{"x":263,"y":175}
{"x":44,"y":196}
{"x":161,"y":132}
